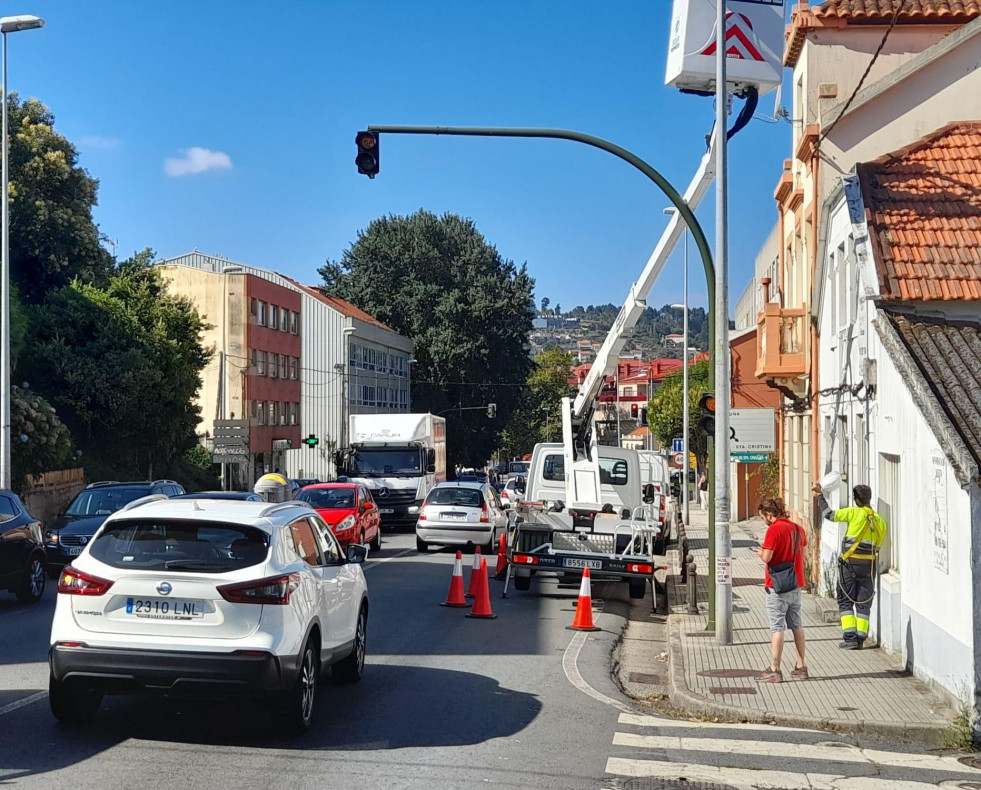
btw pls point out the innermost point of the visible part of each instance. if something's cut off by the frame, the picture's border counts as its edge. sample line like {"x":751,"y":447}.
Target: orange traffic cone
{"x":502,"y":558}
{"x":474,"y":573}
{"x":583,"y":621}
{"x":481,"y":604}
{"x":455,"y":596}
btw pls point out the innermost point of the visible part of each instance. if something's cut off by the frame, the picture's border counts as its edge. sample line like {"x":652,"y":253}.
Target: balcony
{"x":781,"y":337}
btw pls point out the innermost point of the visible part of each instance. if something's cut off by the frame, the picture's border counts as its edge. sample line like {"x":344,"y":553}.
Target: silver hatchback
{"x":461,"y":514}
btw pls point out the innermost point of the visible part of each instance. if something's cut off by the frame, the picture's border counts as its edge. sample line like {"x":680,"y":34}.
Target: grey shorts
{"x":783,"y":610}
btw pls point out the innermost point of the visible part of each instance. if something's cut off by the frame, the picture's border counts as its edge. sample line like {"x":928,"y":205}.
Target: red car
{"x":349,"y":510}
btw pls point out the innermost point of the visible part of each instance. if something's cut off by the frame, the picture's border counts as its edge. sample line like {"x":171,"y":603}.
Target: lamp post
{"x":8,"y":24}
{"x":684,"y":386}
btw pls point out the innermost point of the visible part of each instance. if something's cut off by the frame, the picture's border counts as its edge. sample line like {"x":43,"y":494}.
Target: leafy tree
{"x":665,"y":412}
{"x":468,"y":311}
{"x":538,"y":418}
{"x":53,"y":238}
{"x":122,"y":364}
{"x":40,"y":442}
{"x":558,"y":309}
{"x":545,"y":303}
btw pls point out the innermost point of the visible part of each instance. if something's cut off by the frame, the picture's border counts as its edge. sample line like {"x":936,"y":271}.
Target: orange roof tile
{"x":342,"y":306}
{"x":923,"y":205}
{"x":921,"y":11}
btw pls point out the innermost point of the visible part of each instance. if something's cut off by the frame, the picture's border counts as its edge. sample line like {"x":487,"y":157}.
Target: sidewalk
{"x":858,"y":691}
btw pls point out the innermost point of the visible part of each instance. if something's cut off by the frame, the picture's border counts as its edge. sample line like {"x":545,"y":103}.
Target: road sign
{"x":230,"y":455}
{"x":677,"y":445}
{"x":232,"y":434}
{"x":678,"y":459}
{"x":692,"y":464}
{"x":750,"y":458}
{"x":751,"y":430}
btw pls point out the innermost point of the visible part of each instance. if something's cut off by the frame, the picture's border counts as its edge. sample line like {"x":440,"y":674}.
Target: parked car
{"x":70,"y":533}
{"x":461,"y":514}
{"x":243,"y":496}
{"x":512,"y":492}
{"x":348,"y":509}
{"x":298,"y":483}
{"x":208,"y":598}
{"x":21,"y":550}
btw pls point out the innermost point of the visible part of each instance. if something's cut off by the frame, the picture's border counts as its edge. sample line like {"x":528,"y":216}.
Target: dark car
{"x":301,"y":482}
{"x":245,"y":496}
{"x":21,"y":550}
{"x":68,"y":535}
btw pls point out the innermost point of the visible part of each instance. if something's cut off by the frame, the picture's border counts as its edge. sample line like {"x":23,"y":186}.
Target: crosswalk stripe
{"x":752,"y":779}
{"x":641,"y":720}
{"x":845,"y":753}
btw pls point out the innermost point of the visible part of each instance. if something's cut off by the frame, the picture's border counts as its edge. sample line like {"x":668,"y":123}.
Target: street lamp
{"x":8,"y":24}
{"x":684,"y":464}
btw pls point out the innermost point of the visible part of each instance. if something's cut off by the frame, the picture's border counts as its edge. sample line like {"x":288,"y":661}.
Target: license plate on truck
{"x":574,"y":562}
{"x":385,"y":511}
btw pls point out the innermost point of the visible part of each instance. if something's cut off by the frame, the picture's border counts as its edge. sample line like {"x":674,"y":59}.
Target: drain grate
{"x":732,"y":690}
{"x":643,"y":677}
{"x":659,"y":783}
{"x":971,"y":761}
{"x":729,"y":673}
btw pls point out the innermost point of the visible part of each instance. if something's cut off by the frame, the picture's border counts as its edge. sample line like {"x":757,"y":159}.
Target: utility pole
{"x":723,"y":541}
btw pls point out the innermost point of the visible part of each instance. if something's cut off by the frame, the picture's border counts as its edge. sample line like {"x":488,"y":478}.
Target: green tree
{"x":665,"y":412}
{"x":468,"y":311}
{"x":545,"y":303}
{"x":39,"y":441}
{"x":53,"y":238}
{"x":538,"y":417}
{"x":122,"y":364}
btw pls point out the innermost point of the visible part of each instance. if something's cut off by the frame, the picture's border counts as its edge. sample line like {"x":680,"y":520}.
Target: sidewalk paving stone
{"x":865,"y":690}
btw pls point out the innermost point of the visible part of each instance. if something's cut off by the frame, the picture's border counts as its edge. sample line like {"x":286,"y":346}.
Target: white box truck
{"x":398,"y":458}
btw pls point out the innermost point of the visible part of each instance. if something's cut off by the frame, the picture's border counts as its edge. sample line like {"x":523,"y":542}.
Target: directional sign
{"x":232,"y":434}
{"x":677,"y":445}
{"x":750,"y":458}
{"x":751,"y":430}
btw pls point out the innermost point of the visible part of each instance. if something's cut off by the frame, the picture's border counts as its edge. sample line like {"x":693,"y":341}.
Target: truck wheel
{"x":70,"y":705}
{"x":638,"y":588}
{"x":522,"y":583}
{"x":421,"y":545}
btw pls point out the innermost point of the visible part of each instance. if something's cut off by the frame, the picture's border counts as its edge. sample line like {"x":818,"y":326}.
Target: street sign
{"x":281,"y":444}
{"x":750,"y":458}
{"x":231,"y":433}
{"x":692,"y":464}
{"x":678,"y":459}
{"x":751,"y":430}
{"x":677,"y":445}
{"x":230,"y":455}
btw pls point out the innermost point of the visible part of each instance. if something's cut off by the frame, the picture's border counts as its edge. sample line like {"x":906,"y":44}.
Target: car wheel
{"x":421,"y":545}
{"x":638,"y":588}
{"x":522,"y":583}
{"x":376,"y":544}
{"x":72,"y":706}
{"x":350,"y":669}
{"x":296,"y":709}
{"x":32,"y":587}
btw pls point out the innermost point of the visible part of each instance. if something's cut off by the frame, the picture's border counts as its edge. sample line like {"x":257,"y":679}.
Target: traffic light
{"x":643,"y":416}
{"x":633,"y":410}
{"x":311,"y":441}
{"x":706,"y":407}
{"x":367,"y":158}
{"x":492,"y":410}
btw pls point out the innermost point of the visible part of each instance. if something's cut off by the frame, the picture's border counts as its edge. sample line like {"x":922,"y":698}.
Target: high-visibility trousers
{"x":856,"y":588}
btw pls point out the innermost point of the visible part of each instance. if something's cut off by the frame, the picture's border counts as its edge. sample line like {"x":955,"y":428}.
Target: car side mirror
{"x":650,"y":493}
{"x":357,"y":553}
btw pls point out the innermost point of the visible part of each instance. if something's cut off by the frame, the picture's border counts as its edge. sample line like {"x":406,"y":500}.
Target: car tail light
{"x":274,"y":590}
{"x":75,"y":582}
{"x":647,"y":569}
{"x":70,"y":644}
{"x":422,"y":513}
{"x":525,"y":559}
{"x":484,"y":517}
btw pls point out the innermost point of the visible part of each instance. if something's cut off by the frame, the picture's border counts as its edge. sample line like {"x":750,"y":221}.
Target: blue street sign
{"x":677,"y":445}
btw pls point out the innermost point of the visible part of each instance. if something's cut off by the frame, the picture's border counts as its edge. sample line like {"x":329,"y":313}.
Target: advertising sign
{"x":752,"y":430}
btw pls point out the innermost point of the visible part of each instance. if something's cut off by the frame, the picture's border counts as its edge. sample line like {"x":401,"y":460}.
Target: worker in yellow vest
{"x":857,"y":563}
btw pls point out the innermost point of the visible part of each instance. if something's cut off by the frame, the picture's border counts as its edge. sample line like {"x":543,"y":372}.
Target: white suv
{"x":208,"y":597}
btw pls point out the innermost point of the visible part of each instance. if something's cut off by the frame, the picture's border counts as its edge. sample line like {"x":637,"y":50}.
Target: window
{"x":367,"y":395}
{"x":273,"y":412}
{"x":294,"y":322}
{"x":273,"y":316}
{"x":842,"y":287}
{"x":261,"y":411}
{"x":382,"y":361}
{"x":254,"y":306}
{"x":554,"y":468}
{"x":254,"y":359}
{"x":261,"y":358}
{"x":613,"y":471}
{"x":353,"y":355}
{"x":305,"y":542}
{"x":261,"y":315}
{"x":332,"y":552}
{"x":7,"y":508}
{"x":284,"y":320}
{"x":273,"y":365}
{"x":294,"y":364}
{"x":382,"y":396}
{"x":283,"y":363}
{"x":403,"y":399}
{"x":294,"y":414}
{"x":886,"y":507}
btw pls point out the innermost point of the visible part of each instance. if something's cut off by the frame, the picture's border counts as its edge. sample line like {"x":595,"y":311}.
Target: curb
{"x":684,"y":698}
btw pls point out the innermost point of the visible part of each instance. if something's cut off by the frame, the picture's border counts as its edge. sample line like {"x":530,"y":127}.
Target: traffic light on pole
{"x":633,"y":410}
{"x":706,"y":407}
{"x":491,"y":410}
{"x":367,"y":158}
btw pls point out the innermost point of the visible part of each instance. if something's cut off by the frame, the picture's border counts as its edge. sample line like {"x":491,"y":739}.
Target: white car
{"x":461,"y":514}
{"x":208,"y":597}
{"x":510,"y":495}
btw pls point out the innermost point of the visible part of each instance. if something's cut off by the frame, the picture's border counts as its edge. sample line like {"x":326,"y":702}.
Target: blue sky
{"x":229,"y":127}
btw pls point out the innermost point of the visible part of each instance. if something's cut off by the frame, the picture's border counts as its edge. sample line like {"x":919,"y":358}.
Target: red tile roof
{"x":923,"y":206}
{"x":342,"y":306}
{"x":921,"y":11}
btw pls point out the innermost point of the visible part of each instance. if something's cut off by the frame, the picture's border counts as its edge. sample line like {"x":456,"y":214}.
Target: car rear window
{"x":204,"y":546}
{"x":461,"y":497}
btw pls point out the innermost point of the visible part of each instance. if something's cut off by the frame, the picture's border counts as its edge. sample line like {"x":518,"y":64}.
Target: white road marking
{"x":641,"y":720}
{"x":845,"y":753}
{"x":372,"y":563}
{"x":23,"y":702}
{"x":752,"y":779}
{"x":571,"y":669}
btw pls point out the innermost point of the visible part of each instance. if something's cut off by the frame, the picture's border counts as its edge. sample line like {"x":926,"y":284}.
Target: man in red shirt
{"x":783,"y":544}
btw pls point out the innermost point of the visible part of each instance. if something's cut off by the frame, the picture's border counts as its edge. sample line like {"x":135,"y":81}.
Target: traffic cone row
{"x":479,"y":588}
{"x":583,"y":620}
